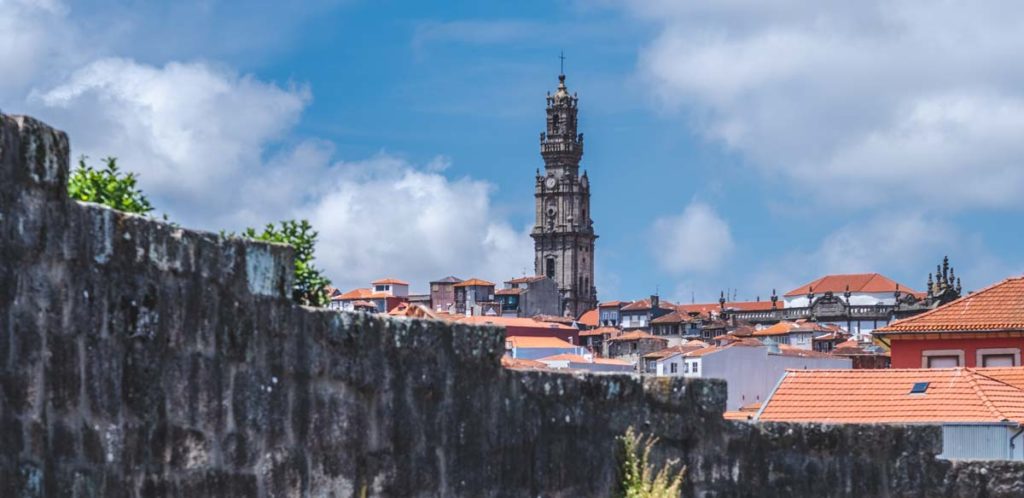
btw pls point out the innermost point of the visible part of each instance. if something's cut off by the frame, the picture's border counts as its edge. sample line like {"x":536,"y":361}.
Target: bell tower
{"x":563,"y":236}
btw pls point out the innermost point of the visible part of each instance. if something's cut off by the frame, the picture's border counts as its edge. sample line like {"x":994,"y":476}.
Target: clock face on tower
{"x":550,"y":182}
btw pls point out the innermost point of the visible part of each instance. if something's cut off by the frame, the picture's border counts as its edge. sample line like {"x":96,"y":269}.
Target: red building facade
{"x":983,"y":329}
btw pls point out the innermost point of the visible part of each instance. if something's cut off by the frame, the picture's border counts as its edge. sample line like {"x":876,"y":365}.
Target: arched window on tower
{"x":554,"y":123}
{"x":549,"y":268}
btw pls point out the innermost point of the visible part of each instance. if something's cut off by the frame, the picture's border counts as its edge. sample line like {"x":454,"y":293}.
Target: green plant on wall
{"x":310,"y":286}
{"x":108,"y":186}
{"x":639,"y":480}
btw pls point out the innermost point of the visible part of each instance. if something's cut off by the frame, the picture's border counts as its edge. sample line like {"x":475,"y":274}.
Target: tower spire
{"x":561,"y":64}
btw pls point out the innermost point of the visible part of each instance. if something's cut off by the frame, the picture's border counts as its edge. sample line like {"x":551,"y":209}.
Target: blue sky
{"x":731,"y":145}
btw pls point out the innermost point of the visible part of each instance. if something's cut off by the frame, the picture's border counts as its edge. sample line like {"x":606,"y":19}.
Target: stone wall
{"x":141,"y":359}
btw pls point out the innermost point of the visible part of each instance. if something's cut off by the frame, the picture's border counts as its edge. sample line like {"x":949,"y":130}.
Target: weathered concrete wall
{"x":139,"y":359}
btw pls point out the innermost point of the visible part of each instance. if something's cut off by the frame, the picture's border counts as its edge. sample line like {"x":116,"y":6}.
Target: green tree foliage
{"x":107,"y":186}
{"x":638,"y":477}
{"x":310,"y":285}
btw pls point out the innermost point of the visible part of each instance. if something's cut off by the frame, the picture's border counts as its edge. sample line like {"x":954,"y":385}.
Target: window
{"x":554,"y":122}
{"x":998,"y":357}
{"x":942,"y":358}
{"x":686,"y":368}
{"x":674,"y":367}
{"x":695,"y":366}
{"x":549,"y":267}
{"x":380,"y":288}
{"x":943,"y":361}
{"x":634,"y":346}
{"x":997,"y":360}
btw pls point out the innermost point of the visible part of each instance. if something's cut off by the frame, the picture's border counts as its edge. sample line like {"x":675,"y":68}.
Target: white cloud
{"x":899,"y":241}
{"x":35,"y":38}
{"x":859,"y":103}
{"x":697,"y":240}
{"x":193,"y":132}
{"x":207,"y":145}
{"x":383,"y":217}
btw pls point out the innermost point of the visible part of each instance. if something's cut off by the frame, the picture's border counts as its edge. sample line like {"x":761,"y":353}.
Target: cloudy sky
{"x":731,"y":144}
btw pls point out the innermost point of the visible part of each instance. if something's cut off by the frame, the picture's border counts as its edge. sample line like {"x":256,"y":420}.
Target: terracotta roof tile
{"x":508,"y":321}
{"x":523,"y":364}
{"x":681,"y":348}
{"x":999,"y":307}
{"x":353,"y":294}
{"x":526,"y":280}
{"x":884,"y":396}
{"x":589,"y":318}
{"x":393,"y":281}
{"x":612,"y":304}
{"x":609,"y":331}
{"x":508,"y":292}
{"x":673,"y":317}
{"x":636,"y":335}
{"x":474,"y":282}
{"x":645,"y":304}
{"x":858,"y":282}
{"x":520,"y":341}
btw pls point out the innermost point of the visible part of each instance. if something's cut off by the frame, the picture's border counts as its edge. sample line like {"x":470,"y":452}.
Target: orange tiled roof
{"x":508,"y":292}
{"x":575,"y":358}
{"x":612,"y":304}
{"x":610,"y":331}
{"x":883,"y":396}
{"x":682,"y":348}
{"x":521,"y":341}
{"x":353,"y":294}
{"x":553,"y":318}
{"x":781,"y":328}
{"x":363,"y":304}
{"x":635,"y":335}
{"x":392,"y":281}
{"x":645,"y":304}
{"x":1010,"y":375}
{"x":522,"y":364}
{"x":857,"y":282}
{"x":508,"y":321}
{"x":413,"y":311}
{"x":745,"y":343}
{"x":589,"y":318}
{"x":673,"y":317}
{"x":526,"y":280}
{"x":474,"y":282}
{"x":705,"y":308}
{"x":999,"y":307}
{"x":737,"y":416}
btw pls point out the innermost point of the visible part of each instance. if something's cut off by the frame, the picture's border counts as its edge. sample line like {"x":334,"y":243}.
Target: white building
{"x":391,"y":286}
{"x":750,"y":368}
{"x":852,"y":297}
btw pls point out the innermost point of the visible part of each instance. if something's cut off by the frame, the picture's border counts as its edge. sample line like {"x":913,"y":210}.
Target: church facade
{"x":564,"y":235}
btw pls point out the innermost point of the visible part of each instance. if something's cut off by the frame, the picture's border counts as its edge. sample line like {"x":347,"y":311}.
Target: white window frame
{"x":982,"y":353}
{"x":942,"y":352}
